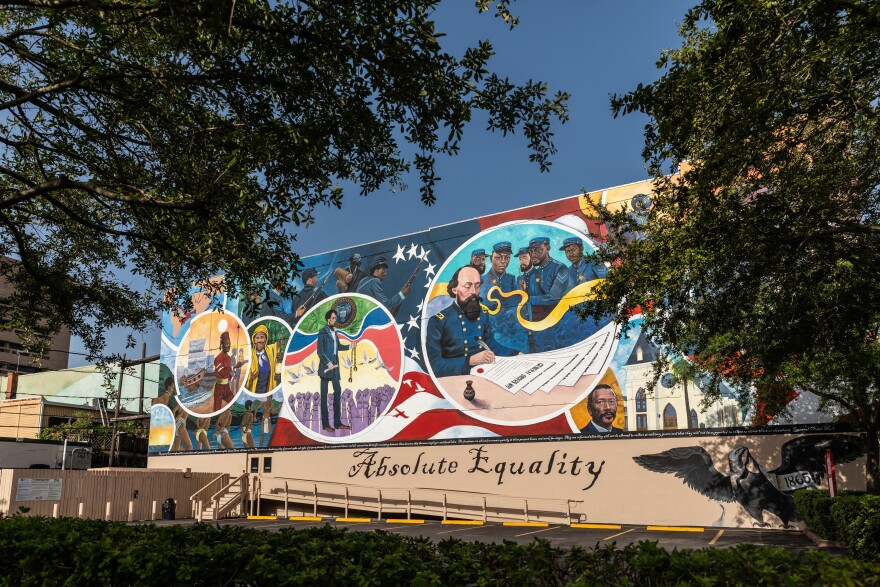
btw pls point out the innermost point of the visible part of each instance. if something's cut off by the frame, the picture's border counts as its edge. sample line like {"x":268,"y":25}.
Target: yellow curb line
{"x":305,"y":519}
{"x":675,"y":529}
{"x":355,"y":520}
{"x":526,"y":524}
{"x":462,"y":522}
{"x":404,"y":521}
{"x":598,"y":526}
{"x":262,"y":517}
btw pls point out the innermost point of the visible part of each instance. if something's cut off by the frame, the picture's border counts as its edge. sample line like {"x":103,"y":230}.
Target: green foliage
{"x":84,"y":429}
{"x":852,"y":518}
{"x":179,"y":140}
{"x":42,"y":551}
{"x":761,"y":258}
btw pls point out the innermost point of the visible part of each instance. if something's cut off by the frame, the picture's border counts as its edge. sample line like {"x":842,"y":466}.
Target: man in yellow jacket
{"x":262,"y":376}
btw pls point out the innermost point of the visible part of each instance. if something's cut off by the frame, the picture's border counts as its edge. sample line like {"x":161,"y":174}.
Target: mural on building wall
{"x":465,"y":331}
{"x":743,"y":480}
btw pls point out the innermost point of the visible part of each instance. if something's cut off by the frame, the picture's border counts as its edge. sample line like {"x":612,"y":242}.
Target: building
{"x":672,"y":404}
{"x":457,"y":366}
{"x":13,"y":357}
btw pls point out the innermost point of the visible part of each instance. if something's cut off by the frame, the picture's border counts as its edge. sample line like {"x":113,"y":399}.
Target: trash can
{"x":168,"y":509}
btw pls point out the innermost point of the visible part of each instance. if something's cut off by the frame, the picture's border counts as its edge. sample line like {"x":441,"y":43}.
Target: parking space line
{"x":717,"y":536}
{"x":598,"y":526}
{"x":675,"y":529}
{"x":462,"y":529}
{"x":619,"y":534}
{"x":536,"y":531}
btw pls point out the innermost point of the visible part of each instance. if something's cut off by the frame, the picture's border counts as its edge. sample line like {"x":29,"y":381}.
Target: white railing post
{"x":107,"y":511}
{"x":346,"y":501}
{"x":315,"y":503}
{"x":568,"y":510}
{"x":54,"y":510}
{"x":79,"y":511}
{"x":380,"y":504}
{"x":408,"y":505}
{"x":286,"y":501}
{"x":445,"y":508}
{"x":484,"y":510}
{"x":526,"y":510}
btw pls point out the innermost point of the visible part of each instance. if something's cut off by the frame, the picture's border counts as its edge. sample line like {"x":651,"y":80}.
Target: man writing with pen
{"x":460,"y":336}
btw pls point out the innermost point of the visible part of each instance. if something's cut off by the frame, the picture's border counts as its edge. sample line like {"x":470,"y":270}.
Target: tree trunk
{"x":872,"y":465}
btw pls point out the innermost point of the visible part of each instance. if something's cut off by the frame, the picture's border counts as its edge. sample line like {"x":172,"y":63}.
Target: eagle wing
{"x":694,"y":466}
{"x":807,"y":453}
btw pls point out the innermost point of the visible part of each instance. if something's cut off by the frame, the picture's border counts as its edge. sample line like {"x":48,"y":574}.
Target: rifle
{"x":409,"y":282}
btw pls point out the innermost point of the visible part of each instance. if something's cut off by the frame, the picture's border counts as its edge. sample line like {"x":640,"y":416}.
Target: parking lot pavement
{"x":561,"y":536}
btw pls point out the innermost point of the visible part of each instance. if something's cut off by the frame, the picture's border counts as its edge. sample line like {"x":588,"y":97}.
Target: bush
{"x":42,"y":551}
{"x":852,"y":518}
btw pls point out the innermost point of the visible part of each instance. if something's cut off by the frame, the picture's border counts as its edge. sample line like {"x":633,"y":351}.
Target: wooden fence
{"x":106,"y":494}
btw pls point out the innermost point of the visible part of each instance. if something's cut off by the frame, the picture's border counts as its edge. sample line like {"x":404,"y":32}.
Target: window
{"x":641,"y":421}
{"x":267,"y":464}
{"x":255,"y":464}
{"x":693,"y":420}
{"x":670,"y":418}
{"x":639,"y":355}
{"x":641,"y":401}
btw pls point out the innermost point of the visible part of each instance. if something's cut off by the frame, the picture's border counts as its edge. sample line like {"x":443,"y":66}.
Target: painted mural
{"x":462,"y":332}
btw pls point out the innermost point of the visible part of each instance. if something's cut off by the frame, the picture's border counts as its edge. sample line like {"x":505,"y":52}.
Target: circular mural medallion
{"x":338,"y":380}
{"x":504,"y":346}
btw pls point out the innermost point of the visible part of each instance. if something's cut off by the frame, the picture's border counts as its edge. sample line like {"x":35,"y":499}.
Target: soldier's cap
{"x":355,"y":259}
{"x":522,"y":251}
{"x":478,"y":253}
{"x":572,"y":240}
{"x":541,"y":240}
{"x":309,"y":273}
{"x":502,"y":247}
{"x":378,"y":262}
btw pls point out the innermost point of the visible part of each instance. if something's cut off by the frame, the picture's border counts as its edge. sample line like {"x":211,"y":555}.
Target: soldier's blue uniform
{"x":583,"y":271}
{"x":452,"y":339}
{"x":372,"y":286}
{"x":505,"y":282}
{"x":302,"y":296}
{"x":547,"y":283}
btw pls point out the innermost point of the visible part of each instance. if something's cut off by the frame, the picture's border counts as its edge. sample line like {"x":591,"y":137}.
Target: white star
{"x":412,"y":323}
{"x":399,"y":255}
{"x":413,"y":353}
{"x":424,"y":255}
{"x":430,"y":269}
{"x":408,"y":382}
{"x":419,"y":307}
{"x":413,"y":251}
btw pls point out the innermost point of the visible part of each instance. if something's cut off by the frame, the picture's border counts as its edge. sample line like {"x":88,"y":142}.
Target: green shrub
{"x":49,"y":552}
{"x":815,"y":507}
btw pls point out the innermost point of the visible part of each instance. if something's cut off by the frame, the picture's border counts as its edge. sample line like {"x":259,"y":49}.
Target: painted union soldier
{"x":372,"y":286}
{"x":498,"y":276}
{"x":478,"y":260}
{"x":306,"y":297}
{"x":580,"y":271}
{"x":548,"y":281}
{"x":460,"y":336}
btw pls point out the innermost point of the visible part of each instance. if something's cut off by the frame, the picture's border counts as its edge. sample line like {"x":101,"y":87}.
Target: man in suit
{"x":328,"y":370}
{"x":602,"y":405}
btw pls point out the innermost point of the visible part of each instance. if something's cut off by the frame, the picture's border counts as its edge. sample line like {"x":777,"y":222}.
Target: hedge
{"x":41,"y":551}
{"x":852,"y":517}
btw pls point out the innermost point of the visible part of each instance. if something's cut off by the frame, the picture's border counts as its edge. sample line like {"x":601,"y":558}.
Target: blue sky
{"x":587,"y":48}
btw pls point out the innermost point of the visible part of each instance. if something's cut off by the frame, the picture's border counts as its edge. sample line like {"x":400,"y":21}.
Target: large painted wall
{"x":425,"y":349}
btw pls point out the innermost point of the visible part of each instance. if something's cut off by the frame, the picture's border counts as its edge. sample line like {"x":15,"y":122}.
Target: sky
{"x":588,"y":48}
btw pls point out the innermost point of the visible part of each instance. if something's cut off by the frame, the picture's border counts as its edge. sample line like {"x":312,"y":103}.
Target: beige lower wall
{"x":600,"y":476}
{"x":86,"y":493}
